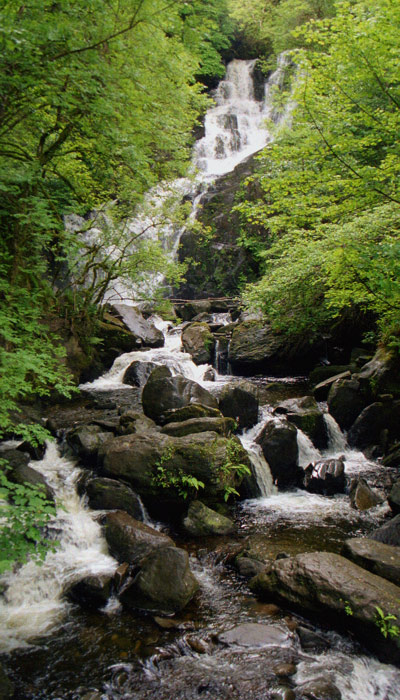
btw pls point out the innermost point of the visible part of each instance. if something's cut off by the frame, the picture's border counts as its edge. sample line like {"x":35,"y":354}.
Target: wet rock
{"x":394,"y":497}
{"x":239,"y":401}
{"x":278,"y":440}
{"x":109,"y":494}
{"x":166,"y":623}
{"x":362,"y":496}
{"x":323,"y":373}
{"x":138,"y":373}
{"x":6,"y":686}
{"x":284,"y":669}
{"x":321,"y":390}
{"x":248,"y":567}
{"x":199,"y":342}
{"x":222,"y":426}
{"x":187,"y":311}
{"x":164,"y":583}
{"x":202,"y":521}
{"x":163,"y":393}
{"x":87,"y":440}
{"x":21,"y":473}
{"x":312,"y":641}
{"x":254,"y":346}
{"x":375,"y":418}
{"x":326,"y":477}
{"x":388,"y":533}
{"x":130,"y":540}
{"x":251,"y":634}
{"x":34,"y":451}
{"x":308,"y":417}
{"x":200,"y":646}
{"x":324,"y":583}
{"x":135,"y":422}
{"x":195,"y":410}
{"x":145,"y":332}
{"x":283,"y":694}
{"x":120,"y":575}
{"x":381,"y":374}
{"x":345,"y":401}
{"x":92,"y":695}
{"x":92,"y":592}
{"x":320,"y":689}
{"x":382,"y":559}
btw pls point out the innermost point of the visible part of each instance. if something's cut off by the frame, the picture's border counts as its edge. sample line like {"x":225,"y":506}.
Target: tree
{"x":326,"y":227}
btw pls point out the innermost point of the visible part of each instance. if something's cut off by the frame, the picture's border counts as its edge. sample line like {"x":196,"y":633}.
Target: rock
{"x":138,"y":373}
{"x":199,"y":342}
{"x":345,"y":401}
{"x":91,"y":592}
{"x":145,"y":332}
{"x":362,"y":496}
{"x":133,"y":458}
{"x":109,"y":494}
{"x":248,"y":567}
{"x":312,"y":641}
{"x":86,"y":441}
{"x":306,"y":415}
{"x":195,"y":410}
{"x":329,"y":373}
{"x":163,"y":584}
{"x":394,"y":497}
{"x":163,"y":393}
{"x":393,"y":458}
{"x":21,"y":473}
{"x":252,"y":634}
{"x":222,"y":426}
{"x":373,"y":419}
{"x":239,"y":401}
{"x":321,"y":390}
{"x":254,"y":347}
{"x":120,"y":575}
{"x":34,"y":451}
{"x":326,"y":583}
{"x":319,"y":689}
{"x":381,"y":374}
{"x":326,"y":477}
{"x":202,"y":521}
{"x":382,"y":559}
{"x":130,"y":540}
{"x":278,"y":440}
{"x":284,"y":670}
{"x":6,"y":686}
{"x":388,"y":533}
{"x":134,"y":422}
{"x":187,"y":311}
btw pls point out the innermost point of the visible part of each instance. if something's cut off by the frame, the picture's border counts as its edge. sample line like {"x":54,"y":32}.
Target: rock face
{"x":345,"y":402}
{"x":162,"y":393}
{"x":362,"y":496}
{"x":308,"y":417}
{"x":130,"y":540}
{"x":202,"y":521}
{"x":145,"y":332}
{"x":389,"y":533}
{"x":199,"y":342}
{"x":163,"y":584}
{"x":109,"y":494}
{"x":278,"y":441}
{"x":382,"y":559}
{"x":239,"y":401}
{"x":394,"y":498}
{"x":325,"y":583}
{"x":138,"y":373}
{"x":325,"y":477}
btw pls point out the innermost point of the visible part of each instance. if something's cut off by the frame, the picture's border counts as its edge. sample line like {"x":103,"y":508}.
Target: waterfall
{"x":33,"y":603}
{"x":307,"y":452}
{"x":336,"y":440}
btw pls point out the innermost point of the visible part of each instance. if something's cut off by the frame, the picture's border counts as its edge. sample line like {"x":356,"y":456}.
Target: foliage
{"x":174,"y":478}
{"x":231,"y":467}
{"x":385,"y":624}
{"x":325,"y":224}
{"x":22,"y":521}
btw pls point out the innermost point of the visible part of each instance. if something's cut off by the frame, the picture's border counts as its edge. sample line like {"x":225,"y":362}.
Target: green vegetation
{"x":168,"y":476}
{"x":24,"y":511}
{"x":385,"y":624}
{"x":232,"y":467}
{"x":325,"y":226}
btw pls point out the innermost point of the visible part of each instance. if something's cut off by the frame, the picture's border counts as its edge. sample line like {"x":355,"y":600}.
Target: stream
{"x":55,"y":650}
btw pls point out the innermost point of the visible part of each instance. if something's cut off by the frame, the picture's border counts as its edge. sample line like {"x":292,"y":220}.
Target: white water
{"x":32,"y":605}
{"x":307,"y":452}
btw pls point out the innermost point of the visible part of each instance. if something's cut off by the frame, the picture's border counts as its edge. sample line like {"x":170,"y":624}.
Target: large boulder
{"x":375,"y":418}
{"x":381,"y":375}
{"x":163,"y":392}
{"x":361,"y":495}
{"x":345,"y":401}
{"x":239,"y":401}
{"x":328,"y":584}
{"x":222,"y":426}
{"x":278,"y":440}
{"x":92,"y":592}
{"x":164,"y":583}
{"x":109,"y":494}
{"x":138,"y":373}
{"x":86,"y":441}
{"x":145,"y":332}
{"x":199,"y":342}
{"x":325,"y":477}
{"x":130,"y":540}
{"x":389,"y":532}
{"x":135,"y":422}
{"x":308,"y":417}
{"x":254,"y":347}
{"x":321,"y":390}
{"x":382,"y":559}
{"x":194,"y":410}
{"x":202,"y":521}
{"x":20,"y":472}
{"x":394,"y":497}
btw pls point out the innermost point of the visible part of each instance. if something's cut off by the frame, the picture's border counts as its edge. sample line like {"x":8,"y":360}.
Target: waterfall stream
{"x":127,"y":655}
